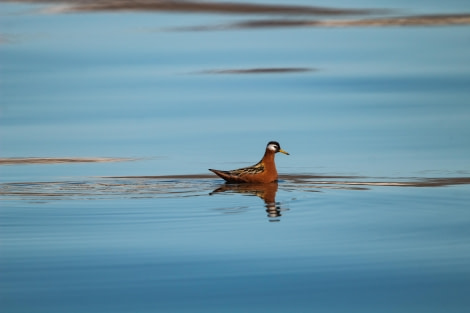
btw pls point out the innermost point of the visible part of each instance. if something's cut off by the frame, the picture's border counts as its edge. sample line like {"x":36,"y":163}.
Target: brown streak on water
{"x":64,"y":6}
{"x":417,"y":20}
{"x":39,"y":160}
{"x":260,"y":70}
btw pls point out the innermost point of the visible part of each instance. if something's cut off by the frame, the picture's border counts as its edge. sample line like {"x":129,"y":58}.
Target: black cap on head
{"x":274,"y":143}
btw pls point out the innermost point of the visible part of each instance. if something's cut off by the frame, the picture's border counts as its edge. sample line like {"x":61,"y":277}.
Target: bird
{"x":262,"y":172}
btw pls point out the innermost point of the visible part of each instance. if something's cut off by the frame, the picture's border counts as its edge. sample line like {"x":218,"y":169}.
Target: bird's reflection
{"x":267,"y":192}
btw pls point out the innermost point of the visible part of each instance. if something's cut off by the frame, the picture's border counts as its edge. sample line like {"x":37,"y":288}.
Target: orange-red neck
{"x":269,"y":166}
{"x":268,"y":159}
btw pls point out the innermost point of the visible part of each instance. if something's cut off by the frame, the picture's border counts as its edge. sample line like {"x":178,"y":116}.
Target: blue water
{"x":385,"y":249}
{"x":371,"y":212}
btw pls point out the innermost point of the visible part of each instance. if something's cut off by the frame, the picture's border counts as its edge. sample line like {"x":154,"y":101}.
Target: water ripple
{"x":178,"y":186}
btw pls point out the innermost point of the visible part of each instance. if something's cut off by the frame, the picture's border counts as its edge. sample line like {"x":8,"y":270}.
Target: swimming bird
{"x":262,"y":172}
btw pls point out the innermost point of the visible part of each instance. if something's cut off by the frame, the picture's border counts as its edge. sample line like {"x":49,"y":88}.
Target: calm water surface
{"x":111,"y":114}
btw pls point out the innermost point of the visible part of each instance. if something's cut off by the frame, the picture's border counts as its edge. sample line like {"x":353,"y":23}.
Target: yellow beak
{"x":283,"y":151}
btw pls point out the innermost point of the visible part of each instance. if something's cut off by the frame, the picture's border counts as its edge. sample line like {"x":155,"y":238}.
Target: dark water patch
{"x":260,"y":70}
{"x":419,"y":20}
{"x":38,"y":160}
{"x":64,"y":6}
{"x":371,"y":181}
{"x":166,"y":177}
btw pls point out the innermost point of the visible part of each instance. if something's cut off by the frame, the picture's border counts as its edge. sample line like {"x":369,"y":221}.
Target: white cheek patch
{"x":272,"y":147}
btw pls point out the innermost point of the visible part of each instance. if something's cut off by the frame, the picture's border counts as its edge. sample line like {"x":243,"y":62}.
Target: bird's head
{"x":276,"y":147}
